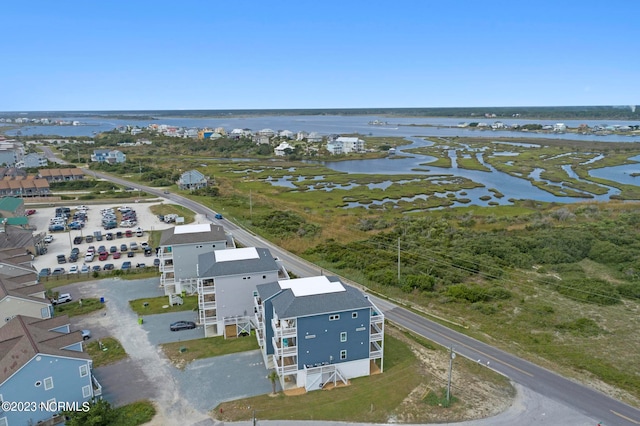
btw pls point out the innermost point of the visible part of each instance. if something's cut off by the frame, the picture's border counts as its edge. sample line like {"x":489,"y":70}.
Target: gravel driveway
{"x":182,"y":396}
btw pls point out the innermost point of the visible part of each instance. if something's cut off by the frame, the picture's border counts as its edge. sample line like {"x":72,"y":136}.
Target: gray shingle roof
{"x":170,"y":237}
{"x":209,"y":267}
{"x":287,"y":305}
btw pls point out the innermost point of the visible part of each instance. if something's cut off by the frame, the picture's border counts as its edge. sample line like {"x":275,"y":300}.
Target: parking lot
{"x":64,"y":241}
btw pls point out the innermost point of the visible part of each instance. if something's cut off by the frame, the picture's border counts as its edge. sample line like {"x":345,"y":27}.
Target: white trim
{"x":343,"y":354}
{"x":86,"y":370}
{"x":86,"y":391}
{"x":50,"y":379}
{"x":343,"y":336}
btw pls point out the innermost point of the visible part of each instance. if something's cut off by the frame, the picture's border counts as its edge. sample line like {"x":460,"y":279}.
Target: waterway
{"x":332,"y":124}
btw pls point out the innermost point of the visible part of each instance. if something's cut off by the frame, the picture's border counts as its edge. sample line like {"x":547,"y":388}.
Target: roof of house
{"x":192,"y":176}
{"x":312,"y":296}
{"x":13,"y":237}
{"x":17,"y":221}
{"x":188,"y":234}
{"x":22,"y":338}
{"x":10,"y":204}
{"x":244,"y":260}
{"x":13,"y":289}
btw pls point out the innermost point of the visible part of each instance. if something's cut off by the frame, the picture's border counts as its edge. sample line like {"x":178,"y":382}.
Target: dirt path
{"x":172,"y":408}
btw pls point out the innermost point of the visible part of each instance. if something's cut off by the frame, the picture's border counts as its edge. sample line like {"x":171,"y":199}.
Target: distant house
{"x":42,"y":361}
{"x":24,"y":186}
{"x":302,"y":135}
{"x":317,"y":331}
{"x":335,"y":147}
{"x":286,"y":134}
{"x":262,"y":139}
{"x":11,"y":152}
{"x":179,"y":249}
{"x":192,"y":179}
{"x":559,"y":127}
{"x":11,"y":207}
{"x":281,"y":150}
{"x":314,"y":137}
{"x":108,"y":156}
{"x":61,"y":175}
{"x":32,"y":160}
{"x":266,"y":132}
{"x":227,"y":285}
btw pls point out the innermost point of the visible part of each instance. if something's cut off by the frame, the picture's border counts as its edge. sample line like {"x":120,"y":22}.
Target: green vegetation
{"x":78,"y":307}
{"x":165,"y":209}
{"x":160,"y":305}
{"x":102,"y":413}
{"x":182,"y":353}
{"x":105,"y":351}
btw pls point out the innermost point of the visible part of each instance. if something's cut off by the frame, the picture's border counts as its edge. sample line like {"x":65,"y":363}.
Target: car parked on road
{"x":182,"y":325}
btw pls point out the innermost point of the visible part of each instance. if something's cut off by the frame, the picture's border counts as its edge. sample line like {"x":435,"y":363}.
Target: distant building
{"x":314,"y":137}
{"x":11,"y":207}
{"x":24,"y":186}
{"x":61,"y":175}
{"x":192,"y":179}
{"x":108,"y":156}
{"x":11,"y":153}
{"x":281,"y":150}
{"x":32,"y":160}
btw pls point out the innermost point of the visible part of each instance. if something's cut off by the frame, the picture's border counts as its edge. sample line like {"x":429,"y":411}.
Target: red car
{"x":128,"y":233}
{"x":30,"y":212}
{"x":103,"y":256}
{"x":117,"y":255}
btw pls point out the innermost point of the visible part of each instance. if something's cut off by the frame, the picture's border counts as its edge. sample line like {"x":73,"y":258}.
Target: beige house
{"x":20,"y":299}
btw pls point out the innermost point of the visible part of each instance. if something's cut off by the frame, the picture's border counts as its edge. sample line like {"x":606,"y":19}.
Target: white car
{"x":84,"y":269}
{"x":48,"y":239}
{"x":63,"y":298}
{"x":82,"y":208}
{"x":73,"y":269}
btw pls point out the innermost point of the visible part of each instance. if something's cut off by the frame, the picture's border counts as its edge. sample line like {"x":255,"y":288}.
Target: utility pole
{"x":398,"y":260}
{"x":254,"y":417}
{"x":452,"y":356}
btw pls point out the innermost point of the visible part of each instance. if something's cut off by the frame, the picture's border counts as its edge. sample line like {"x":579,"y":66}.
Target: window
{"x":86,"y":391}
{"x":255,"y":294}
{"x":343,"y":354}
{"x":84,"y":370}
{"x":334,"y":317}
{"x":354,"y":315}
{"x":343,"y":336}
{"x":44,"y":313}
{"x":48,"y":383}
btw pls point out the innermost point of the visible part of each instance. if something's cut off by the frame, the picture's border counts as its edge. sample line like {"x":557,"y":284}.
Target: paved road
{"x":576,"y":396}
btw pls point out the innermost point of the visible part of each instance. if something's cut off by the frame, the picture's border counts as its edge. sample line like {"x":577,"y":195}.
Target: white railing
{"x":281,"y":350}
{"x":97,"y":388}
{"x":207,"y":305}
{"x":280,"y":332}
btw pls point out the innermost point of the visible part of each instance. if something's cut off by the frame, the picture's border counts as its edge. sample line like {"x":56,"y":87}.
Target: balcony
{"x":284,"y":348}
{"x":285,"y":328}
{"x":207,"y":306}
{"x":285,"y":366}
{"x":97,"y":388}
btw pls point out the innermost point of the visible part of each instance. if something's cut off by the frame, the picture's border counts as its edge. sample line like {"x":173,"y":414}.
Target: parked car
{"x":128,"y":233}
{"x":182,"y":325}
{"x":139,"y":232}
{"x":77,"y":240}
{"x":131,"y":254}
{"x":44,"y":272}
{"x":48,"y":239}
{"x":103,"y":256}
{"x":62,"y":259}
{"x":119,"y":234}
{"x":124,"y":247}
{"x":86,"y":334}
{"x":133,"y":245}
{"x":73,"y":269}
{"x":156,"y":262}
{"x":108,"y":266}
{"x":62,"y":298}
{"x":109,"y":236}
{"x":89,"y":238}
{"x":140,"y":265}
{"x":30,"y":212}
{"x":126,"y":265}
{"x":218,"y":216}
{"x":96,"y":268}
{"x":89,"y":257}
{"x":113,"y":249}
{"x":84,"y":269}
{"x":56,"y":228}
{"x":117,"y":255}
{"x":58,"y":271}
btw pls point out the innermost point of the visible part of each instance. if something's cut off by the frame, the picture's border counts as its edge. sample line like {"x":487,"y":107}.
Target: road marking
{"x":625,"y":417}
{"x":473,"y":349}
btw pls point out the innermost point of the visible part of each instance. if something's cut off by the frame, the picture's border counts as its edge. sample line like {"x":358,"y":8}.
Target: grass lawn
{"x":368,"y":399}
{"x":136,"y":413}
{"x":111,"y":351}
{"x":207,"y":348}
{"x":165,"y":209}
{"x":74,"y":307}
{"x":156,"y":305}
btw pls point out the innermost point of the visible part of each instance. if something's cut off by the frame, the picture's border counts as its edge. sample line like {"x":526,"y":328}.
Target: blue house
{"x":108,"y":156}
{"x":42,"y":361}
{"x":318,"y":331}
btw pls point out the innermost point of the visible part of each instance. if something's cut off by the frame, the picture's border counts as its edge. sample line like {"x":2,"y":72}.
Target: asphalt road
{"x":576,"y":396}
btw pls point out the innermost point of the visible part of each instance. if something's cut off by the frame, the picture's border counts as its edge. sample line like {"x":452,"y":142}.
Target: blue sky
{"x":140,"y":55}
